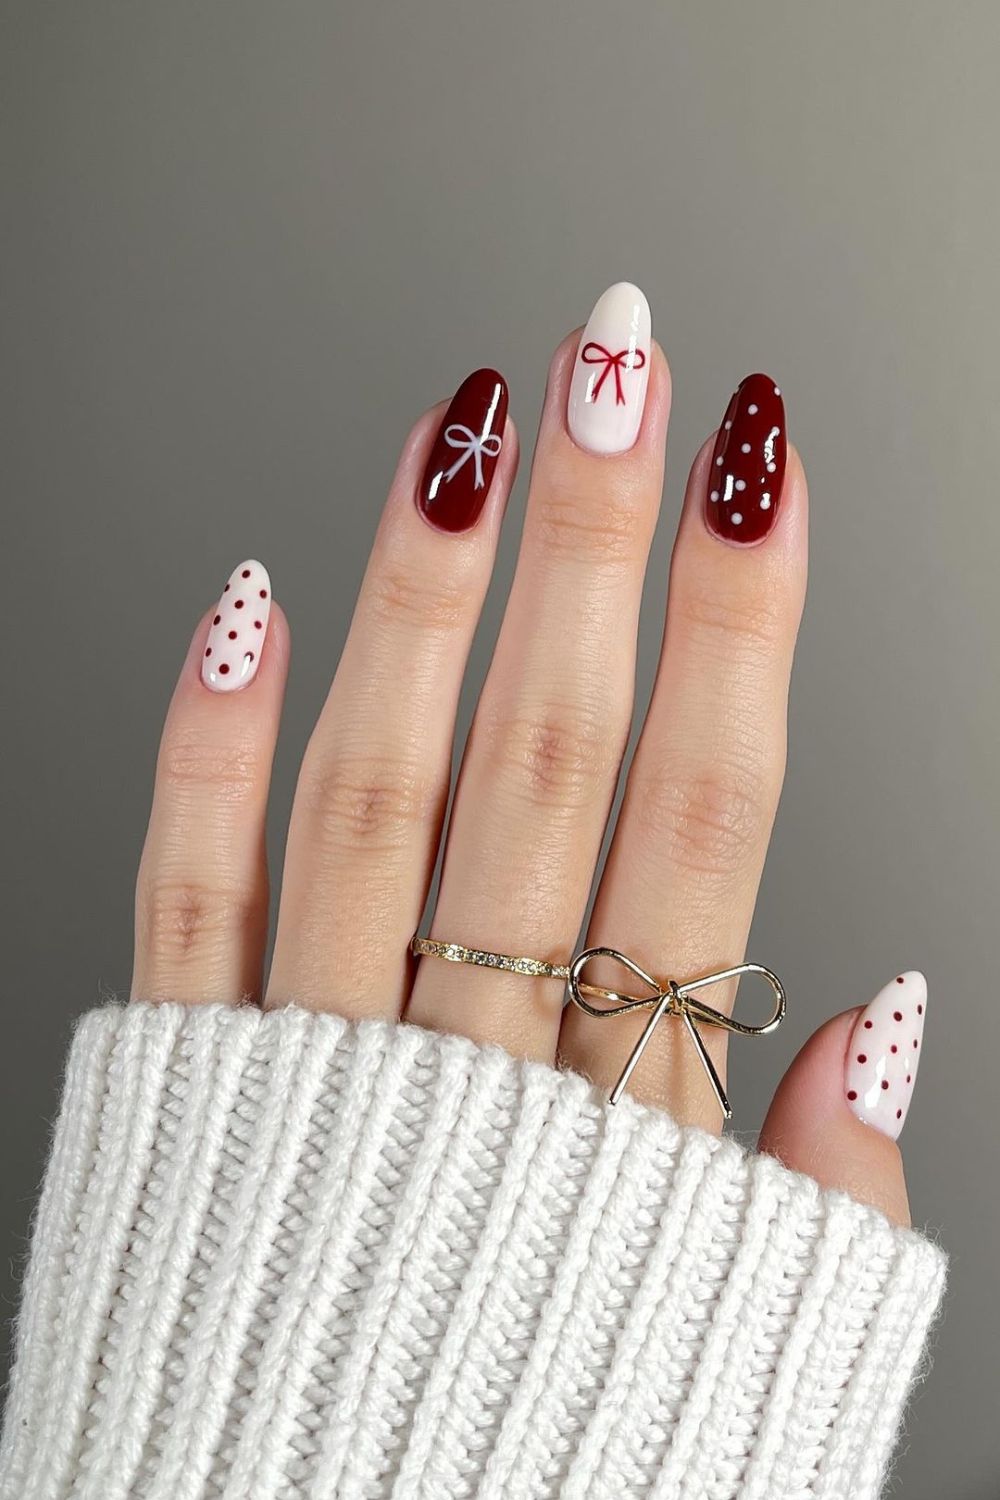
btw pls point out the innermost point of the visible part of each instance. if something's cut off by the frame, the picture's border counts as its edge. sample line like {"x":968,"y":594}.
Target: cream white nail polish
{"x":231,"y":654}
{"x":882,"y":1060}
{"x":608,"y":389}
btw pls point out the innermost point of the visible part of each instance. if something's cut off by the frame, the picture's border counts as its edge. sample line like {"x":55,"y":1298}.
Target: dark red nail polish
{"x":457,"y":478}
{"x":748,"y":465}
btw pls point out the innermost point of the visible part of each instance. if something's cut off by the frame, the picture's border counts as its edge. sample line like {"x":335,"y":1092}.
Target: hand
{"x":542,"y":762}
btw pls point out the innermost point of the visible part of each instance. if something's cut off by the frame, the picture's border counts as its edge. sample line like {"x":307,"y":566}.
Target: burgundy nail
{"x":457,"y":478}
{"x":748,"y":465}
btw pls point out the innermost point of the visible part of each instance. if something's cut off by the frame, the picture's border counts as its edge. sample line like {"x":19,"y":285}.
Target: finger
{"x":374,"y":782}
{"x":202,"y":892}
{"x":679,"y":887}
{"x":544,"y":752}
{"x":839,"y":1109}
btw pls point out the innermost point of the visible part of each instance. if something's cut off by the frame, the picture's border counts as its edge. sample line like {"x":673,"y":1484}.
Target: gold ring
{"x":669,"y":998}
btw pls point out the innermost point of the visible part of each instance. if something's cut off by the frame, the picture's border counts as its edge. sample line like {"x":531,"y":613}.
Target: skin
{"x":535,"y":790}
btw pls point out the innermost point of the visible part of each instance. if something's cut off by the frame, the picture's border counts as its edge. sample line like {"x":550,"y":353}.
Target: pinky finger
{"x":202,"y":892}
{"x":839,"y":1109}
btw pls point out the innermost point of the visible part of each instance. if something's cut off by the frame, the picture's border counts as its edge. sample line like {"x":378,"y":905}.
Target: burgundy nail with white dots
{"x":884,"y":1053}
{"x":231,"y":655}
{"x":748,"y":464}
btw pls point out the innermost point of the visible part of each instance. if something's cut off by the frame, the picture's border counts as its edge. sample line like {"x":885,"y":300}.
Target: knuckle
{"x":710,"y":822}
{"x":367,"y":805}
{"x":556,"y":759}
{"x":754,"y":622}
{"x":181,"y":917}
{"x":190,"y":760}
{"x":579,"y":524}
{"x":401,"y":594}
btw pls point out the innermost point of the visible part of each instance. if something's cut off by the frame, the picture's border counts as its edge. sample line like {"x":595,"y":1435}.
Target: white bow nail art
{"x":471,"y":445}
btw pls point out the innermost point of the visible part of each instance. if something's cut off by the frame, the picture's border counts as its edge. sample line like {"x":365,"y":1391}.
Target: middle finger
{"x":680,"y":883}
{"x":542,"y":762}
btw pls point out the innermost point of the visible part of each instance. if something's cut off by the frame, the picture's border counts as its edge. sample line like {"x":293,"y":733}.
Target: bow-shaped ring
{"x":676,"y":1000}
{"x":472,"y":445}
{"x":631,"y":358}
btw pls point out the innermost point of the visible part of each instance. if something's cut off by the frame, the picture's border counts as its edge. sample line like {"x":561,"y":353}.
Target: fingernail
{"x":608,"y":389}
{"x":457,"y":478}
{"x":885,"y":1048}
{"x":748,"y":464}
{"x":236,"y":635}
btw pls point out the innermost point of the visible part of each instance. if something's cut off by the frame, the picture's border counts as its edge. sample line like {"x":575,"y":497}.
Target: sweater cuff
{"x":282,"y":1255}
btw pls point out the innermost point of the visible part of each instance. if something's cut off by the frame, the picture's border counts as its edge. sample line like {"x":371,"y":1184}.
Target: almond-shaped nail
{"x":608,"y":389}
{"x":457,"y":478}
{"x":748,"y":464}
{"x":882,"y":1060}
{"x":231,"y":655}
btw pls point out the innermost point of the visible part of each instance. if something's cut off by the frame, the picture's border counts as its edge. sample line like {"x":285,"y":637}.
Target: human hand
{"x":542,"y":762}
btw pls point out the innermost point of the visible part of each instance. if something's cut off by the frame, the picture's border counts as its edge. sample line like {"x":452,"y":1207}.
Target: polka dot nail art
{"x":231,"y":655}
{"x":748,"y":464}
{"x":884,"y":1053}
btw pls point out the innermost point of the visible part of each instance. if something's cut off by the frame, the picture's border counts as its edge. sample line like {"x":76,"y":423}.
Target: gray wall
{"x":244,"y":245}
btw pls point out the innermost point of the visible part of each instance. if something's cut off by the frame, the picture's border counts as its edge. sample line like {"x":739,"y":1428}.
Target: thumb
{"x":840,"y":1107}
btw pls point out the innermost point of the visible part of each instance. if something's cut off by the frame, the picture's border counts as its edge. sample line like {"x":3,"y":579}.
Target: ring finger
{"x":544,"y":753}
{"x":680,"y":884}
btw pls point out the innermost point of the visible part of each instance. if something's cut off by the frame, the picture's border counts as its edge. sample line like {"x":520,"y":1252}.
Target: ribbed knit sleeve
{"x":283,"y":1257}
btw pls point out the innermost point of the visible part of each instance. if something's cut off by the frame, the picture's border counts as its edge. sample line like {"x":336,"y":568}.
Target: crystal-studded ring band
{"x":457,"y":953}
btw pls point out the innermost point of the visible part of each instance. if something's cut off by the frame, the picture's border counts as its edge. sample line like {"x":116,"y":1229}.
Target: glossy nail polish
{"x":457,"y":478}
{"x":232,"y":650}
{"x":608,"y":389}
{"x":882,"y":1059}
{"x":748,"y":464}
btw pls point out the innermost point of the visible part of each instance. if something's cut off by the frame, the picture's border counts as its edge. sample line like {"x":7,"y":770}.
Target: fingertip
{"x":511,"y":445}
{"x":747,"y":485}
{"x":795,"y":501}
{"x":563,"y":359}
{"x":811,"y":1126}
{"x":660,"y":391}
{"x":590,"y":410}
{"x":278,"y":640}
{"x":795,"y":473}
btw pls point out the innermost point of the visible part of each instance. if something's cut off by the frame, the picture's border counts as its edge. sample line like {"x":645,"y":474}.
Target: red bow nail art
{"x":631,"y":358}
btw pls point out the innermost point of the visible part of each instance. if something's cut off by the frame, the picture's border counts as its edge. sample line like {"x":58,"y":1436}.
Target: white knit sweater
{"x":280,"y":1256}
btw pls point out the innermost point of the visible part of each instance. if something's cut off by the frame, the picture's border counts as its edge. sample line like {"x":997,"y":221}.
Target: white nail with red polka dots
{"x":231,"y":655}
{"x":884,"y":1053}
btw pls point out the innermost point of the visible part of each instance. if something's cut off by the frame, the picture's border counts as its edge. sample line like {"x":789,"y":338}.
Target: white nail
{"x":231,"y":654}
{"x":608,"y":390}
{"x":884,"y":1053}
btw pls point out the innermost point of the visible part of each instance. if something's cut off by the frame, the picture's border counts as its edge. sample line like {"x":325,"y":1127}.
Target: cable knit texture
{"x":283,"y":1257}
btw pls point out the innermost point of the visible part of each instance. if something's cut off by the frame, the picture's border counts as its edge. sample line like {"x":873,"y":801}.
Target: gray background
{"x":243,"y":246}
